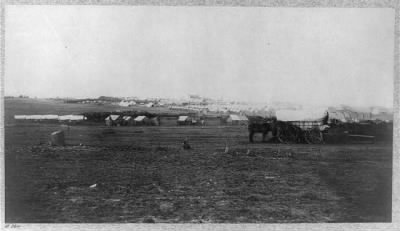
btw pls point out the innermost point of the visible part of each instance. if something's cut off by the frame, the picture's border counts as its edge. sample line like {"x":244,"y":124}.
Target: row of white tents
{"x":305,"y":114}
{"x":133,"y":103}
{"x":50,"y":117}
{"x":189,"y":108}
{"x":116,"y":120}
{"x":126,"y":103}
{"x":340,"y":113}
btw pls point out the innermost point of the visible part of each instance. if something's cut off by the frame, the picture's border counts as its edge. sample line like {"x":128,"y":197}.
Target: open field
{"x":142,"y":174}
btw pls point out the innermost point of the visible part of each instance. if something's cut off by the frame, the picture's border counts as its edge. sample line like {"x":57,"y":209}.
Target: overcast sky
{"x":317,"y":56}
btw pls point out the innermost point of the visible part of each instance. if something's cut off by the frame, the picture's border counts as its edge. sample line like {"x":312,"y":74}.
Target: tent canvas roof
{"x":33,"y":117}
{"x":19,"y":117}
{"x":71,"y":117}
{"x":183,"y":118}
{"x":238,"y":118}
{"x":243,"y":118}
{"x":383,"y":116}
{"x":301,"y":115}
{"x":42,"y":117}
{"x":127,"y":117}
{"x":51,"y":117}
{"x":140,"y":118}
{"x":112,"y":117}
{"x":337,"y":115}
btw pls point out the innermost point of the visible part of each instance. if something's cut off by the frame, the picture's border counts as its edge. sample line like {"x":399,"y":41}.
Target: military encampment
{"x":135,"y":156}
{"x":239,"y":113}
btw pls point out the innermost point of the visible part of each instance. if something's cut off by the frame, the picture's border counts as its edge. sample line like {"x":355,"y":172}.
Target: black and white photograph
{"x":198,"y":114}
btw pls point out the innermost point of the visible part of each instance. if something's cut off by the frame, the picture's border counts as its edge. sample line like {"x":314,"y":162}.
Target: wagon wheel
{"x":291,"y":136}
{"x":281,"y":136}
{"x":307,"y":137}
{"x":314,"y":136}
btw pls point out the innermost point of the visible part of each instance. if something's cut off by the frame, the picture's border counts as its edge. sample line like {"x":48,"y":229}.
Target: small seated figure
{"x":186,"y":145}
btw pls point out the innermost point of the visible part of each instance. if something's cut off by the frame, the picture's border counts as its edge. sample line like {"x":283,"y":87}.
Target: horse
{"x":282,"y":132}
{"x":285,"y":132}
{"x":260,"y":125}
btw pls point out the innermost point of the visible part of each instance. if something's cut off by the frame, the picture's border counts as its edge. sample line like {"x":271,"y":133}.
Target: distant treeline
{"x":101,"y":98}
{"x":76,"y":100}
{"x":109,"y":99}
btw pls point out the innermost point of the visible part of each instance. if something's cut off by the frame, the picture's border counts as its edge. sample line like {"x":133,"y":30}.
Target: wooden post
{"x":57,"y":138}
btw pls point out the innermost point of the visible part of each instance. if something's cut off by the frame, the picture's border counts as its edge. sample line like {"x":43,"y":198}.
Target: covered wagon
{"x":301,"y":125}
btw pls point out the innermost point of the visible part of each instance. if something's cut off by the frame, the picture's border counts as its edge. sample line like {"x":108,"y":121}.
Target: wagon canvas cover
{"x":301,"y":115}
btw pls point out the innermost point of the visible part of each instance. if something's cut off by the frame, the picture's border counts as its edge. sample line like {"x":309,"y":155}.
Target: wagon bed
{"x":300,"y":131}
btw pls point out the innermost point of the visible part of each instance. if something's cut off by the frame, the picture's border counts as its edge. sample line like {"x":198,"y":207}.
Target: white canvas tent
{"x":347,"y":115}
{"x":141,"y":120}
{"x":20,"y":117}
{"x":39,"y":117}
{"x":112,"y":120}
{"x":112,"y":117}
{"x":71,"y":118}
{"x":301,"y":115}
{"x":183,"y":118}
{"x":127,"y":118}
{"x":126,"y":103}
{"x":237,"y":119}
{"x":49,"y":117}
{"x":337,"y":115}
{"x":33,"y":117}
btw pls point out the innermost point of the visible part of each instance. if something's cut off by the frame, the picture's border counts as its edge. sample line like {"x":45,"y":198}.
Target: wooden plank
{"x":362,"y":136}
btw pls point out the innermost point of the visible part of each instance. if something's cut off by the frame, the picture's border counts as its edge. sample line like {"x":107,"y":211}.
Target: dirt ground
{"x":142,"y":174}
